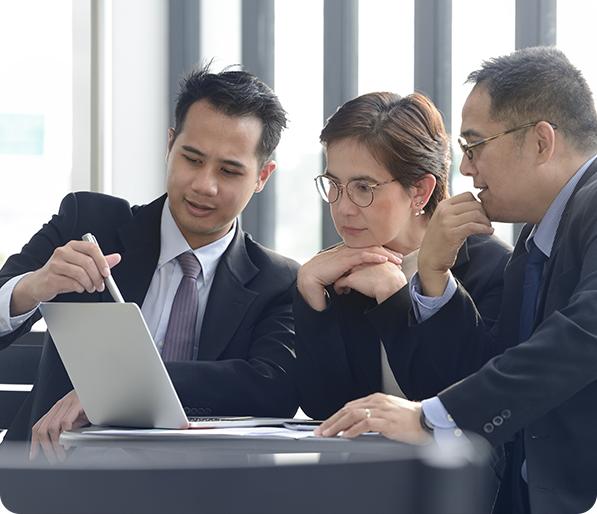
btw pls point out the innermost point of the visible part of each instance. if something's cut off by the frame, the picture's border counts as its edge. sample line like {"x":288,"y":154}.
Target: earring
{"x":420,"y":211}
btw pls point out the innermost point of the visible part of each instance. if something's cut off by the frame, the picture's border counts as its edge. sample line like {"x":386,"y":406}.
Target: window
{"x":573,"y":20}
{"x":36,"y":98}
{"x":386,"y":46}
{"x":473,"y":41}
{"x":35,"y":116}
{"x":299,"y":85}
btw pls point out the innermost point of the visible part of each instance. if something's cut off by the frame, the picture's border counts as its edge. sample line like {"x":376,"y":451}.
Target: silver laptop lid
{"x":114,"y":365}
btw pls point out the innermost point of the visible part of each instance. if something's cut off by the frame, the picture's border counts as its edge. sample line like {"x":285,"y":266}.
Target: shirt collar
{"x":173,"y":244}
{"x":544,"y":234}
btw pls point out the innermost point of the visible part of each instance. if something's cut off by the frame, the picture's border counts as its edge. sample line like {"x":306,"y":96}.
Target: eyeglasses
{"x":467,"y":149}
{"x":359,"y":192}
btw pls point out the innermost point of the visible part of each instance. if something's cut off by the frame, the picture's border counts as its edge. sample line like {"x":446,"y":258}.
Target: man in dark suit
{"x":530,"y":140}
{"x":227,"y":125}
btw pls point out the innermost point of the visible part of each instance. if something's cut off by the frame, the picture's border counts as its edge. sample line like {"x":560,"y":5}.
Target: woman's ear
{"x":423,"y":189}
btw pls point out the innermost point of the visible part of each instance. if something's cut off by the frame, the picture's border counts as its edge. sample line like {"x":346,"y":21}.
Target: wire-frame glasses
{"x":467,"y":148}
{"x":359,"y":192}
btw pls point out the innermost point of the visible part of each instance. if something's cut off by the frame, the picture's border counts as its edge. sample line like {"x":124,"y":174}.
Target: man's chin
{"x":498,"y":217}
{"x":492,"y":215}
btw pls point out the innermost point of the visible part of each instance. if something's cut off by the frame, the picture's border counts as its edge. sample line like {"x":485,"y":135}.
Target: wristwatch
{"x":426,"y":424}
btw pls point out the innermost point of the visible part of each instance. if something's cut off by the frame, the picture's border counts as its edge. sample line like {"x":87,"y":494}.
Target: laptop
{"x":117,"y":371}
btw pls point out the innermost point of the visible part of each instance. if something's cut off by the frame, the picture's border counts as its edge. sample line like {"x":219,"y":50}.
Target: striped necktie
{"x":180,"y":334}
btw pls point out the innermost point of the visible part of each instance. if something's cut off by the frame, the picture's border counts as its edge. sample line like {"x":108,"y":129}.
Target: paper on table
{"x":207,"y":432}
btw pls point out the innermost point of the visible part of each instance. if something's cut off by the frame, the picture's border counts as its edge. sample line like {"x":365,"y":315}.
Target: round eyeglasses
{"x":359,"y":192}
{"x":467,"y":148}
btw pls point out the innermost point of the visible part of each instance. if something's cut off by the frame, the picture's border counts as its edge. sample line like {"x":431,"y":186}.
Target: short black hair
{"x":540,"y":84}
{"x":235,"y":93}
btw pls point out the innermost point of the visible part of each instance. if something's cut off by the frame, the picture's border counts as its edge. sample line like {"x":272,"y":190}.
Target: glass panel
{"x":473,"y":41}
{"x":575,"y":19}
{"x":35,"y":116}
{"x":221,"y":32}
{"x":386,"y":46}
{"x":299,"y":85}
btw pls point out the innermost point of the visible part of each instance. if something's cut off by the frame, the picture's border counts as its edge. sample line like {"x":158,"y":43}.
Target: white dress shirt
{"x":168,"y":274}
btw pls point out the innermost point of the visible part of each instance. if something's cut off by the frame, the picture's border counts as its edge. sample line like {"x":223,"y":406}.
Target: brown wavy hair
{"x":406,"y":135}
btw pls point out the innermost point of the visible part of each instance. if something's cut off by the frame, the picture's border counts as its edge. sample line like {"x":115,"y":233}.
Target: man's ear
{"x":265,"y":173}
{"x":423,"y":189}
{"x":546,"y":139}
{"x":170,"y":141}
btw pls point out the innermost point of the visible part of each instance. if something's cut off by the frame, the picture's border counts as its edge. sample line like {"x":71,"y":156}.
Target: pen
{"x":108,"y":280}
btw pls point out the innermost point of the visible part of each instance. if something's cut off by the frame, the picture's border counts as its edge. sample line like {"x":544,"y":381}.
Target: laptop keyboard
{"x":204,"y":419}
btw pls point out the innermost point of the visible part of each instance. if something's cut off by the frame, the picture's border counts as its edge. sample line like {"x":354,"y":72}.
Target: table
{"x":186,"y":472}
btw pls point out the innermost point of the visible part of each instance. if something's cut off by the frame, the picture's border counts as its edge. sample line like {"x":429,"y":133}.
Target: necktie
{"x":533,"y":277}
{"x":180,"y":334}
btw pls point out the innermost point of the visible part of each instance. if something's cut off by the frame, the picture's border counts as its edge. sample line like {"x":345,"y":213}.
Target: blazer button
{"x":208,"y":411}
{"x":498,"y":420}
{"x":200,"y":411}
{"x":187,"y":411}
{"x":506,"y":413}
{"x":488,"y":428}
{"x":194,"y":411}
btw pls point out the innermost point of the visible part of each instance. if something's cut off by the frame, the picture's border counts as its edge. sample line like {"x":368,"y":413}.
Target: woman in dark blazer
{"x":388,"y":165}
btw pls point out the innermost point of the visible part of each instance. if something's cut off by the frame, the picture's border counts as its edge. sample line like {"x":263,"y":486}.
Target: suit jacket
{"x":338,"y":349}
{"x":546,"y":385}
{"x":246,"y":345}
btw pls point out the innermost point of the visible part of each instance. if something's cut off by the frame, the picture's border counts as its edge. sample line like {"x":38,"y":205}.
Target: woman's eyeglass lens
{"x":359,"y":192}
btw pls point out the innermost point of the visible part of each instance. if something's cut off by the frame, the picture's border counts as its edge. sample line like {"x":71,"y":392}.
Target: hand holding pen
{"x":108,"y":280}
{"x":77,"y":266}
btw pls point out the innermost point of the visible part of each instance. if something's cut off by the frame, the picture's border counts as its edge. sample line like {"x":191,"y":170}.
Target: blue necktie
{"x":180,"y":334}
{"x":533,"y":278}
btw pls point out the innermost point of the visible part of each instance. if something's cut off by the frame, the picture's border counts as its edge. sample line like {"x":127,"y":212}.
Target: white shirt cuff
{"x":8,"y":323}
{"x":426,"y":306}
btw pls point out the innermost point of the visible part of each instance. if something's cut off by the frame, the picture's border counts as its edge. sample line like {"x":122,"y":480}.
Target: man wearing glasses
{"x":529,"y":137}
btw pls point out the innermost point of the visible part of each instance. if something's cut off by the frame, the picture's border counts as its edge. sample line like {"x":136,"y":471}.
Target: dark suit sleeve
{"x":34,"y":255}
{"x":79,"y":213}
{"x":325,"y":373}
{"x":254,"y":373}
{"x":550,"y":379}
{"x":424,"y":365}
{"x":482,"y":276}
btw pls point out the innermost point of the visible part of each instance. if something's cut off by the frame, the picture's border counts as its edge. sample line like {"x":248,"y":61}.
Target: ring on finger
{"x":367,"y":413}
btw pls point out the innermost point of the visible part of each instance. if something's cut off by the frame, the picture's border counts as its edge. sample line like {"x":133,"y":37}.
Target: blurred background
{"x":88,"y":87}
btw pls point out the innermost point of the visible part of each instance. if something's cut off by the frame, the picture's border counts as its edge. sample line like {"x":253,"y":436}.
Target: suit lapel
{"x":563,"y":228}
{"x":140,"y":239}
{"x":229,"y":299}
